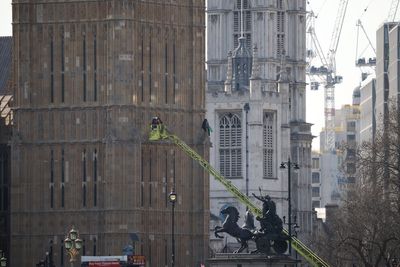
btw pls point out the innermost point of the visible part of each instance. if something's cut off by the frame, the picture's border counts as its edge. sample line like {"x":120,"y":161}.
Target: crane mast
{"x":159,"y":133}
{"x":327,"y":72}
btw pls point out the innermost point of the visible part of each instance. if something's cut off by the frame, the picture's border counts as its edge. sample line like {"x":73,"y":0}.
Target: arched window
{"x":230,"y":145}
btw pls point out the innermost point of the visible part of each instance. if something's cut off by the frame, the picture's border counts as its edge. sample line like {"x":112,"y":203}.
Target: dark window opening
{"x":166,"y":73}
{"x":62,"y":70}
{"x":95,"y":68}
{"x":174,"y":72}
{"x":150,"y":81}
{"x":51,"y":71}
{"x":62,"y":196}
{"x":84,"y":68}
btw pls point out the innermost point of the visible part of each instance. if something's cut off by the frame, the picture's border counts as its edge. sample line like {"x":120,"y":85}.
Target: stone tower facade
{"x":261,"y":124}
{"x":89,"y":77}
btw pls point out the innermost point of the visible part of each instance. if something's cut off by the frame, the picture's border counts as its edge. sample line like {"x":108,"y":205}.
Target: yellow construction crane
{"x":159,"y":132}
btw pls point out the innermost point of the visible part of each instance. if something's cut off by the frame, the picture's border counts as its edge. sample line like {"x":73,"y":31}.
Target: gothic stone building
{"x":256,"y":102}
{"x":89,"y":76}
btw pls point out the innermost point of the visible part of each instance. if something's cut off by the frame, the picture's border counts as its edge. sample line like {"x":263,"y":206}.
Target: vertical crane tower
{"x":327,"y":72}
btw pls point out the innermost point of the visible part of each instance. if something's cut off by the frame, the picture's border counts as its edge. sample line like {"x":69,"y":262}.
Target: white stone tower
{"x":259,"y":123}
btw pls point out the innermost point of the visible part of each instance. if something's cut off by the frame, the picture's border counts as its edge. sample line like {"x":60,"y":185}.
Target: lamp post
{"x":73,"y":244}
{"x":3,"y":260}
{"x":172,"y":199}
{"x":289,"y":165}
{"x":246,"y":108}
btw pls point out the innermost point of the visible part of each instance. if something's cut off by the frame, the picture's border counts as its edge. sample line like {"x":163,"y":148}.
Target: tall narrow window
{"x":150,"y":254}
{"x":5,"y":198}
{"x":84,"y":165}
{"x":95,"y":178}
{"x":94,"y":67}
{"x":269,"y":145}
{"x":84,"y":195}
{"x":84,"y":67}
{"x":174,"y":71}
{"x":62,"y":178}
{"x":142,"y":70}
{"x":62,"y":69}
{"x":166,"y":179}
{"x":150,"y":66}
{"x":62,"y":253}
{"x":238,"y":23}
{"x":51,"y":178}
{"x":52,"y":166}
{"x":51,"y":70}
{"x":230,"y":140}
{"x":150,"y":181}
{"x":84,"y":178}
{"x":166,"y":72}
{"x":62,"y":166}
{"x":94,"y":247}
{"x":51,"y":196}
{"x":280,"y":29}
{"x":62,"y":195}
{"x":165,"y":252}
{"x":142,"y":179}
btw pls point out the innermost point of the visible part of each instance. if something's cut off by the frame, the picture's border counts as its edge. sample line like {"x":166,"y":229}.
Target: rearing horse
{"x":230,"y":226}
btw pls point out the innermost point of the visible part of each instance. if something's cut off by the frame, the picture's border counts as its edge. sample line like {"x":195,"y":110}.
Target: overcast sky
{"x":372,"y":14}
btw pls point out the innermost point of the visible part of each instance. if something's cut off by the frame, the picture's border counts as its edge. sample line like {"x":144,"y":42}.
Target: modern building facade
{"x":316,"y":180}
{"x":387,"y":86}
{"x":383,"y":47}
{"x":89,"y":76}
{"x":255,"y":103}
{"x":394,"y":64}
{"x":338,"y":170}
{"x":350,"y":126}
{"x":367,"y":109}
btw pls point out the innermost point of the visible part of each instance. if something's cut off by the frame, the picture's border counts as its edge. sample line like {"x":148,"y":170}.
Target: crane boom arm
{"x":393,"y":10}
{"x":337,"y":28}
{"x":159,"y":133}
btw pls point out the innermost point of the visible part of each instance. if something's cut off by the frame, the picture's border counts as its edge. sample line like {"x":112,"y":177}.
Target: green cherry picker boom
{"x":159,"y":132}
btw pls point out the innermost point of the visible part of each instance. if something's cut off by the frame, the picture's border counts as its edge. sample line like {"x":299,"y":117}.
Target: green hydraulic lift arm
{"x":158,"y":132}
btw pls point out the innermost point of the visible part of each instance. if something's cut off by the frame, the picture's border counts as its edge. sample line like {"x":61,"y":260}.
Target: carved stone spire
{"x":228,"y":81}
{"x":255,"y":70}
{"x":255,"y":79}
{"x":241,"y":66}
{"x":283,"y":75}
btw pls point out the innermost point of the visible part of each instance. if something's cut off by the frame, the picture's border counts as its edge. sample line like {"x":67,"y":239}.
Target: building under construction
{"x":89,"y":75}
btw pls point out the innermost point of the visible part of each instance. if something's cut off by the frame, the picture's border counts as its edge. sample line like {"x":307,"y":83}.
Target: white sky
{"x":5,"y":18}
{"x":375,"y":14}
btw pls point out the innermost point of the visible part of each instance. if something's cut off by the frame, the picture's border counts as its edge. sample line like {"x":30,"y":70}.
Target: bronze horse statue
{"x":230,"y":226}
{"x":270,"y":235}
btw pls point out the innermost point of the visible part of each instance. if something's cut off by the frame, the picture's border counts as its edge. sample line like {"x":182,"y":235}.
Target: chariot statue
{"x":269,"y":239}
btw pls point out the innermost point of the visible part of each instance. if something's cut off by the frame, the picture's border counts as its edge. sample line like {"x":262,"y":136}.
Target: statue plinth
{"x":251,"y":260}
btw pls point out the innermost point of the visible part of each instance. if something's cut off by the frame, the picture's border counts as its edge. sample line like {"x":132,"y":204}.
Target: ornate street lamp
{"x":289,"y":166}
{"x":73,"y":244}
{"x":172,"y":199}
{"x":3,"y":260}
